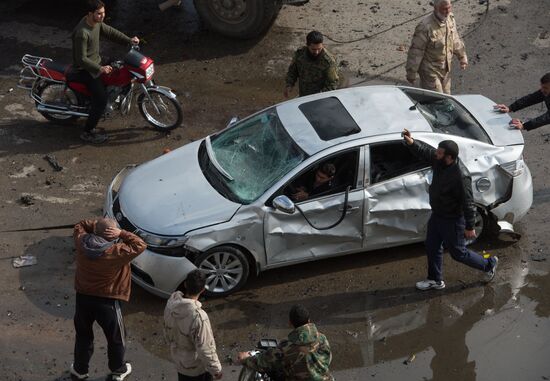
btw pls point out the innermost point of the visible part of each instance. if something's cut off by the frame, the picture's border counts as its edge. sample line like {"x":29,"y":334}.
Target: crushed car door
{"x":397,"y":206}
{"x":290,"y":238}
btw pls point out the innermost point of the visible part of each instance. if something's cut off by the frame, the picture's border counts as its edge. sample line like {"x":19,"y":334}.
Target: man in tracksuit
{"x":453,"y":212}
{"x":102,"y":281}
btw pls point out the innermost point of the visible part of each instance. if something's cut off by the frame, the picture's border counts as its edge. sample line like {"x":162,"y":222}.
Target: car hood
{"x":494,"y":123}
{"x":170,"y":195}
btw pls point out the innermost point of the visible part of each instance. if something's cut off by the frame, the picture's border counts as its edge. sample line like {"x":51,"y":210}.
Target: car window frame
{"x":368,"y":163}
{"x":359,"y":178}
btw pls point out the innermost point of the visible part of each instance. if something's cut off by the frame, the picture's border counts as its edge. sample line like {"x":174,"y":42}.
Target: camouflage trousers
{"x":436,"y":81}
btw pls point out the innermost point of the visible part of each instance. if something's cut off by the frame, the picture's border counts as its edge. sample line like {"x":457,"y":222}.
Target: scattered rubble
{"x":24,"y":260}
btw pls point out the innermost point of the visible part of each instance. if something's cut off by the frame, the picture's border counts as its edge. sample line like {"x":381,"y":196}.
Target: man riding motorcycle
{"x":305,"y":356}
{"x":87,"y":66}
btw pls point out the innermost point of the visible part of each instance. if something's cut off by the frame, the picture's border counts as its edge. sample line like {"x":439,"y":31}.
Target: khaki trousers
{"x":436,"y":82}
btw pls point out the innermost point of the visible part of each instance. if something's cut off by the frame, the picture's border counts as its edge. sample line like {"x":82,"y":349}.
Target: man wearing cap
{"x":434,"y":43}
{"x":453,"y":212}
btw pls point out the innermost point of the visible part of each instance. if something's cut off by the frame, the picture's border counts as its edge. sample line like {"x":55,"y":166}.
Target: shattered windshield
{"x":447,"y":116}
{"x":255,"y":153}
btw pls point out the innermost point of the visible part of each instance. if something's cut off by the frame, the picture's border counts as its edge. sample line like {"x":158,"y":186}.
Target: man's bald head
{"x":102,"y":224}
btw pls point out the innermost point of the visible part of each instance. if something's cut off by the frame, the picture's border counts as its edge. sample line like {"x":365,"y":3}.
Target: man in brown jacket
{"x":189,"y":334}
{"x":433,"y":46}
{"x":102,"y":280}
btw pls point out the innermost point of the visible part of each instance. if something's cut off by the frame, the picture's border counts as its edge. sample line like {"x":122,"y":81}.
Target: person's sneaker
{"x":120,"y":374}
{"x":489,"y":275}
{"x":430,"y":284}
{"x":93,"y":137}
{"x":75,"y":376}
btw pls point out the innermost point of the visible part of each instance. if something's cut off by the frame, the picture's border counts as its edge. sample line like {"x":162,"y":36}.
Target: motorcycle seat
{"x":56,"y":66}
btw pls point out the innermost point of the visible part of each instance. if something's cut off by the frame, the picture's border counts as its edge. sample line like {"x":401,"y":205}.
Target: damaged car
{"x":311,"y":178}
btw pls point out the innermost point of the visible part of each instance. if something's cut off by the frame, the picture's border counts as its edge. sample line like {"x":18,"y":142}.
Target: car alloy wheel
{"x":226,"y":270}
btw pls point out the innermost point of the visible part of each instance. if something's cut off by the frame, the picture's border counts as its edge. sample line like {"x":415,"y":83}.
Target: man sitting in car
{"x":321,"y":183}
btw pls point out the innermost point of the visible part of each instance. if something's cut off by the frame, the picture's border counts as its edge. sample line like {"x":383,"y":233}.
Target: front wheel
{"x":162,"y":111}
{"x":238,"y":18}
{"x":226,"y":270}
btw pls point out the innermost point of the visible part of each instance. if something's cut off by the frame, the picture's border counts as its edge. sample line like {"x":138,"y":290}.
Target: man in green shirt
{"x":313,"y":67}
{"x":87,"y":62}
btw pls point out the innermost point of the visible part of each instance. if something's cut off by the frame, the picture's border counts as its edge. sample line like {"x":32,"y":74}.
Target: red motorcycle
{"x":59,"y":99}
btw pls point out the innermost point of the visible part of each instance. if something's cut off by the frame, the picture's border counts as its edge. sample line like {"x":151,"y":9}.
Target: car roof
{"x":377,"y":110}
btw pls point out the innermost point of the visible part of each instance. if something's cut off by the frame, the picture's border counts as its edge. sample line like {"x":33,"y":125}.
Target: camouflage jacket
{"x":313,"y":76}
{"x":305,"y":356}
{"x":433,"y":45}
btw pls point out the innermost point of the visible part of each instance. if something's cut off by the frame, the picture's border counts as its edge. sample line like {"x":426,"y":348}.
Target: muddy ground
{"x":366,"y":304}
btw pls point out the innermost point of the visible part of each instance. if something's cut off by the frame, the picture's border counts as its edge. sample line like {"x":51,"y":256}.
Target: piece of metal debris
{"x":24,"y":260}
{"x":26,"y":200}
{"x":53,"y":162}
{"x":410,"y":359}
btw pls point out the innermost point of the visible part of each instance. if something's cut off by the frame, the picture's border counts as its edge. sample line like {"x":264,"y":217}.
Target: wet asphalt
{"x":378,"y":325}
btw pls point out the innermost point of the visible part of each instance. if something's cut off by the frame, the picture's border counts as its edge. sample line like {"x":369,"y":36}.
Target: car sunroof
{"x":329,"y":118}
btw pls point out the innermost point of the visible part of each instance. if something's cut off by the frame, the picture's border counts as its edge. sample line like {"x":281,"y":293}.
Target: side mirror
{"x":233,"y":120}
{"x":284,"y":204}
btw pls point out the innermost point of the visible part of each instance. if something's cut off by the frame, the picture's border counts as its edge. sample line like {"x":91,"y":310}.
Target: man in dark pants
{"x":541,"y":95}
{"x":87,"y":63}
{"x":453,"y":212}
{"x":102,"y":280}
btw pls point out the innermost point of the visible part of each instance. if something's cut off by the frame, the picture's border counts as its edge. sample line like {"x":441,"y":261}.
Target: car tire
{"x":256,"y":17}
{"x":481,"y":226}
{"x":226,"y":269}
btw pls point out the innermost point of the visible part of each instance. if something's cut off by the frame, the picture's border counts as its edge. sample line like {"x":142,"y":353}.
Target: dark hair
{"x":314,"y":37}
{"x":450,"y":147}
{"x":545,"y":78}
{"x":298,"y":315}
{"x":328,"y":169}
{"x":94,"y":5}
{"x":195,"y":282}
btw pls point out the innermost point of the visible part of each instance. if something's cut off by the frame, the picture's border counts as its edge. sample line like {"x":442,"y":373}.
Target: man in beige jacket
{"x":189,"y":334}
{"x":433,"y":46}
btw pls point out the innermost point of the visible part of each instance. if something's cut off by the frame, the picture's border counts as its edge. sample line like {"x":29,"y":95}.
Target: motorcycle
{"x":60,"y":99}
{"x":248,"y":374}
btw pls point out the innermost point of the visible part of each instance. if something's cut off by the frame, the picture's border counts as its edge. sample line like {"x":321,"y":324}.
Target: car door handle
{"x":349,"y":208}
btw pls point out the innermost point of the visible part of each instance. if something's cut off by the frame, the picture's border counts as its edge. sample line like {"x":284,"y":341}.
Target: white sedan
{"x":247,"y":199}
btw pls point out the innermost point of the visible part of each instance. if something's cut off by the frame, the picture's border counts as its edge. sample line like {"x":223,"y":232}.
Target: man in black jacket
{"x":541,"y":95}
{"x":453,"y":212}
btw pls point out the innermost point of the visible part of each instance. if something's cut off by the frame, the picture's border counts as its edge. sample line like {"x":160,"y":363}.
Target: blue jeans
{"x":450,"y":232}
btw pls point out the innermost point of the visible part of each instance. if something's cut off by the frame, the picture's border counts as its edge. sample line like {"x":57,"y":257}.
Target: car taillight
{"x":513,"y":168}
{"x":149,"y":71}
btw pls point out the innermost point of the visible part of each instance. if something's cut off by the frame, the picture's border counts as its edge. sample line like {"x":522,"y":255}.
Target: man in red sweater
{"x":102,"y":281}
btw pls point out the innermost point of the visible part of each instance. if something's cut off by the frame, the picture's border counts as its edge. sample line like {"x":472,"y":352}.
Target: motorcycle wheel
{"x":60,"y":95}
{"x":169,"y":114}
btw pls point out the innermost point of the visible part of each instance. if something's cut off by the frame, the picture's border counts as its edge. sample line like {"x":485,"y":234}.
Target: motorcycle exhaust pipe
{"x":169,"y":3}
{"x":50,"y":110}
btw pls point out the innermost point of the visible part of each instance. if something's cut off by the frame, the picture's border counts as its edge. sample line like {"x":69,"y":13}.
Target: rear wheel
{"x":238,"y":18}
{"x":57,"y":94}
{"x":161,"y":111}
{"x":226,"y":270}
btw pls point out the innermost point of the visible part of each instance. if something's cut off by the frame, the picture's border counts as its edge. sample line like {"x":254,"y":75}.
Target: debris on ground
{"x":353,"y":334}
{"x":53,"y":162}
{"x":410,"y":359}
{"x":544,"y":35}
{"x":538,"y":257}
{"x":26,"y":200}
{"x":24,"y":260}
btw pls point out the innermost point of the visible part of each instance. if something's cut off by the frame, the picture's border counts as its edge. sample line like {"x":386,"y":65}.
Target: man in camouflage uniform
{"x":313,"y":67}
{"x":305,"y":356}
{"x":434,"y":43}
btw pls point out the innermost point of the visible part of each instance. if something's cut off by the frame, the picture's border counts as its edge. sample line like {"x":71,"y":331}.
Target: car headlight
{"x":161,"y":241}
{"x":117,"y":181}
{"x":483,"y":184}
{"x":513,"y":168}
